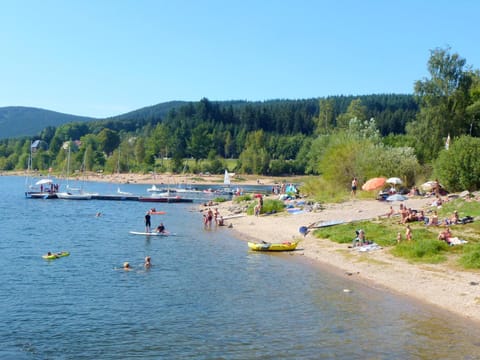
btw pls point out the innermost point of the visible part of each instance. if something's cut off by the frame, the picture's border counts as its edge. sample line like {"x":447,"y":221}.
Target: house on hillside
{"x":75,"y":144}
{"x":38,"y":145}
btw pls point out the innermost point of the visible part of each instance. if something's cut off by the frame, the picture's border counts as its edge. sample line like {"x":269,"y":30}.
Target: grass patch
{"x":381,"y":233}
{"x":424,"y":248}
{"x":470,"y":259}
{"x":429,"y":251}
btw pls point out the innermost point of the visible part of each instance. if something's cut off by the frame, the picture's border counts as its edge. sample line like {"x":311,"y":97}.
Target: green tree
{"x":458,"y":168}
{"x":255,"y":158}
{"x":473,"y":110}
{"x":200,"y":142}
{"x":443,"y":100}
{"x":326,"y":116}
{"x":108,"y":140}
{"x":139,"y":150}
{"x":354,"y":111}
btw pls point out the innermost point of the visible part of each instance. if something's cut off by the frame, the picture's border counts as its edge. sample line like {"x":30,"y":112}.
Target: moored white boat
{"x":75,"y":194}
{"x":155,"y":189}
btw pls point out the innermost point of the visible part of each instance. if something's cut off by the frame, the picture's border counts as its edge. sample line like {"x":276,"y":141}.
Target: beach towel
{"x":369,"y":247}
{"x":456,"y":241}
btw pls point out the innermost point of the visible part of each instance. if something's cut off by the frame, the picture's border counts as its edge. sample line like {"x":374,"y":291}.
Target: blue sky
{"x":102,"y":58}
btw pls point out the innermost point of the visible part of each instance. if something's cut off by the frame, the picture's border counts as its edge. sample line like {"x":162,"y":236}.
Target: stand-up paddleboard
{"x":322,"y":224}
{"x":152,"y":233}
{"x":228,"y":217}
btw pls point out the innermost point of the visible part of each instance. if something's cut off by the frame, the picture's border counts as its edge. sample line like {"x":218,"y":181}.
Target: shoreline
{"x":440,"y":285}
{"x":171,"y":179}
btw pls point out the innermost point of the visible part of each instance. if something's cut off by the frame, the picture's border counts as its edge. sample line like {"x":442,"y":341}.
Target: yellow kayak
{"x":285,"y":246}
{"x":57,"y":255}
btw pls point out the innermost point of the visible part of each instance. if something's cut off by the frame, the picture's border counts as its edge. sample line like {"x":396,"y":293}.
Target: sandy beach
{"x":189,"y":179}
{"x":437,"y":284}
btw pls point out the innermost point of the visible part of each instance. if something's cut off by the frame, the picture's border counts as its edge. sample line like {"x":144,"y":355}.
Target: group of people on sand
{"x":147,"y":264}
{"x":410,"y":215}
{"x":213,"y":217}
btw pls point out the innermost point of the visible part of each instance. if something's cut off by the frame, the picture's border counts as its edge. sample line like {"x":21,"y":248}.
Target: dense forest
{"x":337,"y":136}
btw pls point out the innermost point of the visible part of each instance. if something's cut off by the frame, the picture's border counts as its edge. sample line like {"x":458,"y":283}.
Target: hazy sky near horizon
{"x":102,"y":58}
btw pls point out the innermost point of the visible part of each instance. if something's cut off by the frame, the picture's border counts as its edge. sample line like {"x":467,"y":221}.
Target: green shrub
{"x":471,"y":257}
{"x":270,"y":206}
{"x":241,"y":198}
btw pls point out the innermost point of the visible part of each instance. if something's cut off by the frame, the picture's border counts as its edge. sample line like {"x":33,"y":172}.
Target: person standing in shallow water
{"x":354,"y":187}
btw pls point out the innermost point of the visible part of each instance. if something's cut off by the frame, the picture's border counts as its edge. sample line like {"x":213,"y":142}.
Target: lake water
{"x":206,"y":296}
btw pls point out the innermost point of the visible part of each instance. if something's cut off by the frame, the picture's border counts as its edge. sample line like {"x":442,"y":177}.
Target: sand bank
{"x":440,"y":284}
{"x":190,"y":179}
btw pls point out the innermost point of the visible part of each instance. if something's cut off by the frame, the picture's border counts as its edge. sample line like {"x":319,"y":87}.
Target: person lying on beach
{"x":453,"y":220}
{"x":445,"y":235}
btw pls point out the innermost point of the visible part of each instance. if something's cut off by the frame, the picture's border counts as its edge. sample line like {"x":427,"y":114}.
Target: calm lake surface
{"x":206,"y":296}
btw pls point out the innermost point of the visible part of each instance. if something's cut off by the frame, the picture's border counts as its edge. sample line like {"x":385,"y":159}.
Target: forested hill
{"x":282,"y":116}
{"x":149,"y":113}
{"x":16,"y":121}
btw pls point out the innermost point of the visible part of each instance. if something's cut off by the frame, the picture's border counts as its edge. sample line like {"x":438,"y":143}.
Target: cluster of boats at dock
{"x":47,"y":188}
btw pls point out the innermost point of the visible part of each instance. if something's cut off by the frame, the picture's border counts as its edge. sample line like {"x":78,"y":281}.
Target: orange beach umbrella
{"x":374,"y":184}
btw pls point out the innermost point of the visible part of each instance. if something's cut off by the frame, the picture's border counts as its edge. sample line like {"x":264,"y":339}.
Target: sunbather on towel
{"x":360,"y":240}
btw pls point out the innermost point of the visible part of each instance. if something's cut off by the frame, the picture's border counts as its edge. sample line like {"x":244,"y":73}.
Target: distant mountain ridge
{"x":17,"y":121}
{"x":148,"y":112}
{"x":391,"y":111}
